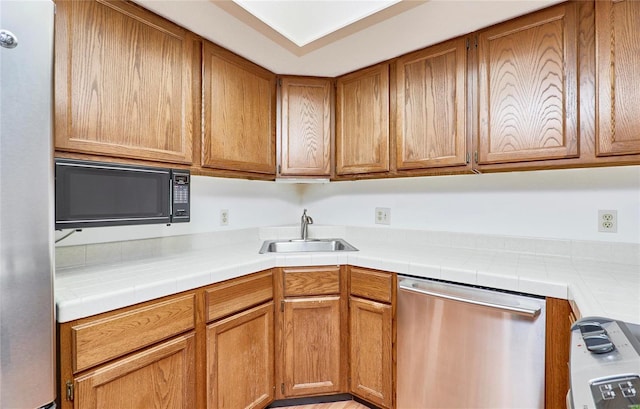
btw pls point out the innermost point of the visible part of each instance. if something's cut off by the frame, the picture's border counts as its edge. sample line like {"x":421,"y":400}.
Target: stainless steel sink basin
{"x":292,"y":246}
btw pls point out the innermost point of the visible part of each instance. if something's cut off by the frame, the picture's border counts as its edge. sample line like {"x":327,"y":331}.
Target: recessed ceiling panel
{"x":398,"y":28}
{"x":303,"y":22}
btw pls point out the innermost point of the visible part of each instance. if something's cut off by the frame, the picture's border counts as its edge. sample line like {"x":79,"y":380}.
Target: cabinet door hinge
{"x":69,"y":390}
{"x":282,"y":388}
{"x":282,"y":308}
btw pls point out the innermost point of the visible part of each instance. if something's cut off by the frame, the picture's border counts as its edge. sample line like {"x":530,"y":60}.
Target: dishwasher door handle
{"x":528,"y":312}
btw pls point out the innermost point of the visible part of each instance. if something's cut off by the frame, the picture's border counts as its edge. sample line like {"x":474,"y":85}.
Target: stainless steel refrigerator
{"x":27,"y":331}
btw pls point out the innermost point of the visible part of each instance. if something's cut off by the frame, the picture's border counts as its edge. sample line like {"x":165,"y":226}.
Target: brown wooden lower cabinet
{"x":371,"y":351}
{"x":312,"y":353}
{"x":240,"y":360}
{"x":156,"y":378}
{"x":332,"y":334}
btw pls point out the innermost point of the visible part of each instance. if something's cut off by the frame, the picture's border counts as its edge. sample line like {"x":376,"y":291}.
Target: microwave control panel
{"x":181,"y":196}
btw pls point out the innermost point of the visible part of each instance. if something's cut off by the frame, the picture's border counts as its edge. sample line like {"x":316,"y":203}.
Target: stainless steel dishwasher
{"x":466,"y":347}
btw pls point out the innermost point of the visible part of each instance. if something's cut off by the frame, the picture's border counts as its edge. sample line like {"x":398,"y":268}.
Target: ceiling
{"x":302,"y":37}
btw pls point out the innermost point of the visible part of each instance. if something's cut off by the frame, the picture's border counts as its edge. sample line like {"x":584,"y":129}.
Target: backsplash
{"x":116,"y":252}
{"x":119,"y":251}
{"x":622,"y":253}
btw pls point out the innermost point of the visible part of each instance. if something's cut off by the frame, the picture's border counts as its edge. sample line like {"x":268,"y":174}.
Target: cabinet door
{"x":162,"y":377}
{"x":123,"y":82}
{"x":239,"y":100}
{"x":431,"y":107}
{"x":240,"y":360}
{"x":371,"y":351}
{"x":362,"y":121}
{"x":305,"y":133}
{"x":527,"y":88}
{"x":618,"y":70}
{"x":311,"y":346}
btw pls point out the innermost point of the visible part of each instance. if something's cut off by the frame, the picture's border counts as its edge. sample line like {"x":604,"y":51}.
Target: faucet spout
{"x":305,"y":221}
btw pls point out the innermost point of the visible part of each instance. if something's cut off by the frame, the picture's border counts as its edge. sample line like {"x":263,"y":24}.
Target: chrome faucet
{"x":305,"y":221}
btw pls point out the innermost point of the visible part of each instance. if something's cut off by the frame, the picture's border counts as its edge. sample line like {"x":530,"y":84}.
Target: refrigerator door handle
{"x":8,"y":39}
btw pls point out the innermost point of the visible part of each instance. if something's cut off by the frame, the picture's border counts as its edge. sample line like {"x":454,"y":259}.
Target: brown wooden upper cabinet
{"x":431,"y":107}
{"x":617,"y":73}
{"x":527,"y":88}
{"x":305,"y":127}
{"x":362,"y":121}
{"x":239,"y":113}
{"x":123,"y":82}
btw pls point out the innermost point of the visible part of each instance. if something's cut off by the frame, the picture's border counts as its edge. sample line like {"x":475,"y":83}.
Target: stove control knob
{"x":591,"y":328}
{"x":598,"y":344}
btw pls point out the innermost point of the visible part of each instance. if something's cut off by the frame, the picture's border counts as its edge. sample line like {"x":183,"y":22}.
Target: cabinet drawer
{"x":311,"y":281}
{"x":101,"y":340}
{"x":239,"y":294}
{"x":374,"y":285}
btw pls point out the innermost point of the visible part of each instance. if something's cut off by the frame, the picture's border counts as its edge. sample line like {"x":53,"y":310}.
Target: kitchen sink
{"x":292,"y":246}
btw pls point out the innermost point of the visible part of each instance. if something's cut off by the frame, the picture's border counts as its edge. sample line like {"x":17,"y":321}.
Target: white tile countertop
{"x":606,"y":284}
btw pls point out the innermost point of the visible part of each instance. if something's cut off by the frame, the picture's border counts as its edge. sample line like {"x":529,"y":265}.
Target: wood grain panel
{"x":557,"y":344}
{"x":371,"y":351}
{"x":123,"y":82}
{"x":240,"y":360}
{"x":311,"y":281}
{"x":528,"y":87}
{"x":370,"y":284}
{"x":362,"y":121}
{"x":305,"y":136}
{"x":235,"y":295}
{"x":157,"y":378}
{"x":618,"y":48}
{"x":311,"y":338}
{"x":98,"y":341}
{"x":431,"y":107}
{"x":239,"y":105}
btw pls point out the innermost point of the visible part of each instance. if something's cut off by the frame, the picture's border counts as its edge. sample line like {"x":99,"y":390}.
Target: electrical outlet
{"x":383,"y":215}
{"x":608,"y":221}
{"x":224,"y":217}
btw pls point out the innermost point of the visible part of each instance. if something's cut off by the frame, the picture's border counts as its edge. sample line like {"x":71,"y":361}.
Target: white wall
{"x":250,"y":203}
{"x":547,"y":204}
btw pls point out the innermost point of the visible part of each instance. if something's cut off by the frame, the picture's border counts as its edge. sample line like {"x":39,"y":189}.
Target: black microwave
{"x":93,"y":194}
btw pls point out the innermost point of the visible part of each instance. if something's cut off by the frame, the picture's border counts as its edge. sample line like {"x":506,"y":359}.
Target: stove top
{"x":604,"y":364}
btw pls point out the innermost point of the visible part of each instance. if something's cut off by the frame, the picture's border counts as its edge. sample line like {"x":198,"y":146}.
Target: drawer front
{"x":374,"y":285}
{"x":311,"y":281}
{"x":104,"y":339}
{"x":239,"y":294}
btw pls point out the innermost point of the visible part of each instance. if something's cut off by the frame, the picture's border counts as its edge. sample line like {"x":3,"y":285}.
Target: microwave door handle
{"x":170,"y":197}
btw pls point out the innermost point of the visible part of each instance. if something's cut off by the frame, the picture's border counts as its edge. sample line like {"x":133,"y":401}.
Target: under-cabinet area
{"x":273,"y":335}
{"x":547,"y":90}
